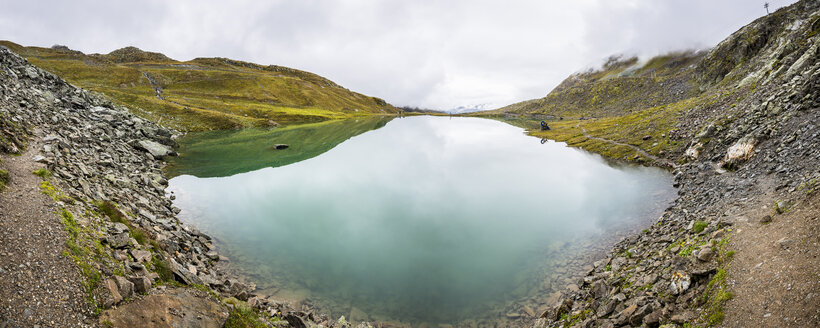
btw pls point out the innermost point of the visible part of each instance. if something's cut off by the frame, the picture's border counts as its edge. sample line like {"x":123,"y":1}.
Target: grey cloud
{"x":435,"y":54}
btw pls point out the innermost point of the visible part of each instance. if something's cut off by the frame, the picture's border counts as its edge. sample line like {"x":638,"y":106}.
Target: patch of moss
{"x":110,"y":210}
{"x":717,"y":291}
{"x":699,"y":226}
{"x":162,"y":268}
{"x":687,"y":247}
{"x":42,"y":173}
{"x":82,"y":255}
{"x":576,"y":318}
{"x":4,"y":179}
{"x":242,"y":316}
{"x":140,"y":235}
{"x":51,"y":191}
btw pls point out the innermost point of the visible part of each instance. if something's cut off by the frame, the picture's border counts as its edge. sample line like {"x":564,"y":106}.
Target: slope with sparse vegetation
{"x":737,"y":125}
{"x":204,"y":93}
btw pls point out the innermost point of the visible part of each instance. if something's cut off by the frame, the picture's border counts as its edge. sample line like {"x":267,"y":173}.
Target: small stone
{"x":126,"y":288}
{"x":705,"y":254}
{"x":120,"y":240}
{"x":141,"y":256}
{"x":142,"y":284}
{"x":781,"y":207}
{"x":279,"y":146}
{"x":120,"y":227}
{"x":682,"y":317}
{"x":653,"y":319}
{"x":39,"y":159}
{"x":680,"y":282}
{"x":784,"y":242}
{"x":766,"y":219}
{"x":113,"y":292}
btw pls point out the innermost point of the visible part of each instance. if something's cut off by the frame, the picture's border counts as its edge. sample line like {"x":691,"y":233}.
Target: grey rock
{"x":119,"y":227}
{"x":213,"y":255}
{"x":784,"y":242}
{"x":126,"y":288}
{"x":157,"y":150}
{"x":680,"y":282}
{"x":705,"y":254}
{"x":39,"y":159}
{"x":142,"y":284}
{"x":32,"y":72}
{"x":183,"y":274}
{"x":141,"y":256}
{"x":295,"y":321}
{"x":637,"y":317}
{"x":120,"y":240}
{"x":112,"y":295}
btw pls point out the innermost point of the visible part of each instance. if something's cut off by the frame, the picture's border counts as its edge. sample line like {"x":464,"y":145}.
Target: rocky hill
{"x":88,"y":236}
{"x":738,"y":126}
{"x":621,"y":86}
{"x":204,"y":93}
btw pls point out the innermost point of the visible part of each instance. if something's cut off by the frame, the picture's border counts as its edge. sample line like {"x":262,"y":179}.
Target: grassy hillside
{"x":620,"y":87}
{"x":204,"y":93}
{"x":659,"y":104}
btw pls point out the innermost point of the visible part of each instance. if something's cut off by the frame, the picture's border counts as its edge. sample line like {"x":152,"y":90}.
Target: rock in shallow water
{"x":154,"y":148}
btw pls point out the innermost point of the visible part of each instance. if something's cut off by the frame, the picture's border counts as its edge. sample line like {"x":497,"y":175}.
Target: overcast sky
{"x":432,"y":54}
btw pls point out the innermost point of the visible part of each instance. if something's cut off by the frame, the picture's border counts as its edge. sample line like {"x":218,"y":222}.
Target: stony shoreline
{"x":102,"y":166}
{"x":752,"y":158}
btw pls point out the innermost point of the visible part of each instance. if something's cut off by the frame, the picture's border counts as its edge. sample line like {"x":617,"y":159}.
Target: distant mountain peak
{"x":133,"y":54}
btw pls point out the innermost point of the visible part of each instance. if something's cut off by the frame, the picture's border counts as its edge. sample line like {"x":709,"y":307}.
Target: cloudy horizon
{"x":428,"y":54}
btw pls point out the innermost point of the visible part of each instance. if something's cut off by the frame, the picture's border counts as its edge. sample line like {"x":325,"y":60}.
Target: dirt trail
{"x":39,"y":287}
{"x":774,"y":275}
{"x":636,"y":148}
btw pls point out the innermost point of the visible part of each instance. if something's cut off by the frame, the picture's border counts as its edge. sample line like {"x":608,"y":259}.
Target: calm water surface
{"x":427,"y":219}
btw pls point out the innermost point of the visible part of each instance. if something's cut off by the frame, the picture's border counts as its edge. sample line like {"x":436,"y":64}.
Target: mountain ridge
{"x":205,"y":93}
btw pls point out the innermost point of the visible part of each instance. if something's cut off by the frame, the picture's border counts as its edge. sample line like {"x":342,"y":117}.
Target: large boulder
{"x":739,"y":152}
{"x":174,"y":308}
{"x":154,"y":148}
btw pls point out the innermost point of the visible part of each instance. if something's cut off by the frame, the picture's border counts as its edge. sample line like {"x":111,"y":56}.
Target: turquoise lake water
{"x":410,"y":220}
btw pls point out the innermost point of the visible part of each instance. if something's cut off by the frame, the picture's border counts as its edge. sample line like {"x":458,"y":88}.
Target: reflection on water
{"x":223,"y":153}
{"x":428,"y":219}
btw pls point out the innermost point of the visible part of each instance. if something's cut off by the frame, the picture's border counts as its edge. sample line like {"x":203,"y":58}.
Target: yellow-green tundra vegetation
{"x":627,"y":102}
{"x":204,"y":93}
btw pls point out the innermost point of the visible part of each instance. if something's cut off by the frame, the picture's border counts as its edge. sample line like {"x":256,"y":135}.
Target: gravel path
{"x":39,"y":287}
{"x":774,"y":276}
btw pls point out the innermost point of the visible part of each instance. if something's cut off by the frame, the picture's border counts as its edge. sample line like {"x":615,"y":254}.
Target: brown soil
{"x":775,"y":275}
{"x":39,"y":287}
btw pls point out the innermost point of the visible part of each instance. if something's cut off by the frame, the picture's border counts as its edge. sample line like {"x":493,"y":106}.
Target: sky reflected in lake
{"x":428,"y":219}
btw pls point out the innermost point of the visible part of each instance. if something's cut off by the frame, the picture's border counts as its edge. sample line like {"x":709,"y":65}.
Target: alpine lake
{"x":415,"y":221}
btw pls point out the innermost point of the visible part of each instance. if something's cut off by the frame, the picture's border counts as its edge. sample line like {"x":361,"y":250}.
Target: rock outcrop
{"x":741,"y":157}
{"x":105,"y":175}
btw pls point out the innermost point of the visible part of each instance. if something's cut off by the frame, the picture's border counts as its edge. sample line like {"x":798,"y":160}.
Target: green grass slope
{"x":204,"y":93}
{"x":621,"y":86}
{"x":657,"y":105}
